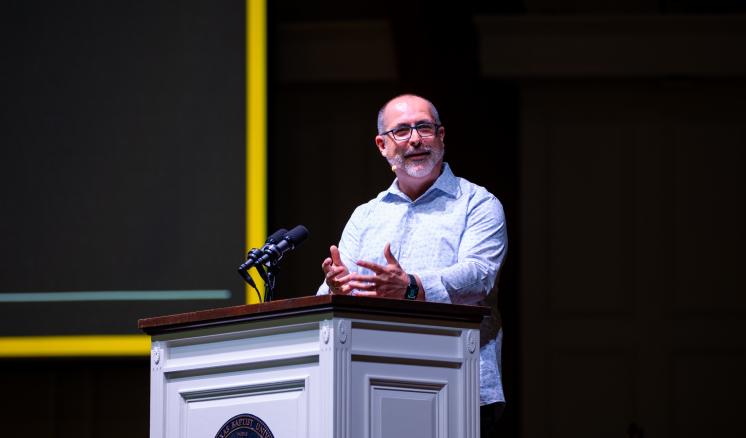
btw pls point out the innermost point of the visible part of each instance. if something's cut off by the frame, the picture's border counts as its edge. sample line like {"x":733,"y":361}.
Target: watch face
{"x":411,"y":293}
{"x":412,"y":289}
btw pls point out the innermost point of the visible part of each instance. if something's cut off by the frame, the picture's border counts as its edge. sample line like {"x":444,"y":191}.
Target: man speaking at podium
{"x":430,"y":236}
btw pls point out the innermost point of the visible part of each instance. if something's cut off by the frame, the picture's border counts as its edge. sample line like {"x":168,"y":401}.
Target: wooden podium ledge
{"x":343,"y":304}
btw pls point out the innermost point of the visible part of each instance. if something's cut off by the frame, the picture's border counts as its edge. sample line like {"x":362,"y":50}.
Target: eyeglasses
{"x":402,"y":133}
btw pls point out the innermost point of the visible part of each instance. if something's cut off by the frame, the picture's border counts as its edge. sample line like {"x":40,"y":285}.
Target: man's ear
{"x":441,"y":133}
{"x":381,"y":144}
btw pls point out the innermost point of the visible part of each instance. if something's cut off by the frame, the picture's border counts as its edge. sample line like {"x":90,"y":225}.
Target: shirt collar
{"x":446,"y":183}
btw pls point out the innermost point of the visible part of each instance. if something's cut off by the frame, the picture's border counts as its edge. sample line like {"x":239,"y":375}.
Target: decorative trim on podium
{"x":343,"y":330}
{"x":322,"y":306}
{"x":157,"y":389}
{"x":425,"y":403}
{"x":156,"y":356}
{"x":230,"y":366}
{"x":325,"y":331}
{"x":471,"y":383}
{"x":342,"y":378}
{"x":472,"y":340}
{"x":428,"y":361}
{"x":406,"y":328}
{"x":231,"y":391}
{"x":335,"y":339}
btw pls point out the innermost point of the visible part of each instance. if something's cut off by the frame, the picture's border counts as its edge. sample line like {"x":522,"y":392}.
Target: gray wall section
{"x":123,"y":157}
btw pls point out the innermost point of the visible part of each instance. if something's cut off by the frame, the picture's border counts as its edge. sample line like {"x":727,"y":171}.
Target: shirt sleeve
{"x":349,"y":244}
{"x":480,"y":255}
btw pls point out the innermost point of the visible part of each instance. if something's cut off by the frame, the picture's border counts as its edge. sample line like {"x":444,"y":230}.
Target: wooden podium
{"x":317,"y":367}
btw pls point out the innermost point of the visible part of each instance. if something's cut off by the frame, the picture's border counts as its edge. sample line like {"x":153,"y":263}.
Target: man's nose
{"x":415,"y":140}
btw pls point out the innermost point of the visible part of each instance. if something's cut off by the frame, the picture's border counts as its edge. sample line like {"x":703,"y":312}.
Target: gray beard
{"x":421,"y":169}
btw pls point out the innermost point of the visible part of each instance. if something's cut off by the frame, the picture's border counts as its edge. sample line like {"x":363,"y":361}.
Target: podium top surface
{"x":311,"y":305}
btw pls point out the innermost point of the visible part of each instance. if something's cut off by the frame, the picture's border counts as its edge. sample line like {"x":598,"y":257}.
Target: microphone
{"x":272,"y":253}
{"x":276,"y":236}
{"x":254,"y":253}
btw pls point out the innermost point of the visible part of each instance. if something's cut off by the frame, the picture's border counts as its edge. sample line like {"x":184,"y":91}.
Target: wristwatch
{"x":412,"y":289}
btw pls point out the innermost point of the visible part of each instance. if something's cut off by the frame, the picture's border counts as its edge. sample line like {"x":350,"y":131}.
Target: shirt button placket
{"x":404,"y":247}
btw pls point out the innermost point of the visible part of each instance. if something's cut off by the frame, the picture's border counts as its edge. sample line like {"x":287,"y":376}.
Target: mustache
{"x":420,"y":150}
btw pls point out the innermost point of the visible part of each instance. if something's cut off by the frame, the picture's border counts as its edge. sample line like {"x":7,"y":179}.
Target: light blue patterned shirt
{"x":454,"y":238}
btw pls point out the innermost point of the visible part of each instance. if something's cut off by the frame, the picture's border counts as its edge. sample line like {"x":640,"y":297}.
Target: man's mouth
{"x":418,"y":154}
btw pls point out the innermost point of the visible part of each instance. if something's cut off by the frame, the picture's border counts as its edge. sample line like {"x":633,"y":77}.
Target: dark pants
{"x":488,"y":416}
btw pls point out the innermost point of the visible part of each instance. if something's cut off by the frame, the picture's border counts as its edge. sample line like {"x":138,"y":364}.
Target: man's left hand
{"x":389,"y":280}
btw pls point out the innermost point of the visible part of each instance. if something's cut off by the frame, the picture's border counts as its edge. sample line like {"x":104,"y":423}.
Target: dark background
{"x":123,"y":169}
{"x":123,"y":161}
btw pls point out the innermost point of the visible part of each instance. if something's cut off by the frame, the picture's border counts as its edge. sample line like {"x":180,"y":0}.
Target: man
{"x":430,"y":236}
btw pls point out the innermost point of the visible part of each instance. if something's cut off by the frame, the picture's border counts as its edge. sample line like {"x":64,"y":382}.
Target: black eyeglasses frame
{"x":411,"y":128}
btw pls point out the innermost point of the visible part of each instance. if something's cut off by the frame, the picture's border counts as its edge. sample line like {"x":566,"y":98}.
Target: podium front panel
{"x":208,"y":378}
{"x":323,"y":374}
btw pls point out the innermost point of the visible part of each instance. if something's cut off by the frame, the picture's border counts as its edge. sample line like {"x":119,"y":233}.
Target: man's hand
{"x":337,"y":274}
{"x":388,"y":281}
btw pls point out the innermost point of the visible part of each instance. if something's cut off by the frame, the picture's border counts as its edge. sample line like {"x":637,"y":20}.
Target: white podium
{"x":320,"y":366}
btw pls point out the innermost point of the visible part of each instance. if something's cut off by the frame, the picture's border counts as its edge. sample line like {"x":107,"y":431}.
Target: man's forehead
{"x":407,"y":106}
{"x":401,"y":106}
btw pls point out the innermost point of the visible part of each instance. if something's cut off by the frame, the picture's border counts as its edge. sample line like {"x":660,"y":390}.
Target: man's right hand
{"x":337,"y":274}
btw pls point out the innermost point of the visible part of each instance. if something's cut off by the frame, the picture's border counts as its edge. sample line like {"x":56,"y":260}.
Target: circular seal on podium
{"x":245,"y":426}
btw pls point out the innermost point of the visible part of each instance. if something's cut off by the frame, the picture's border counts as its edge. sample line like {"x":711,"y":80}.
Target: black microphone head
{"x":276,"y":236}
{"x":297,"y":235}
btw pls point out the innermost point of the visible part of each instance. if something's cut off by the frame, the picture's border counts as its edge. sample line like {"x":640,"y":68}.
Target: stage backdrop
{"x":123,"y":178}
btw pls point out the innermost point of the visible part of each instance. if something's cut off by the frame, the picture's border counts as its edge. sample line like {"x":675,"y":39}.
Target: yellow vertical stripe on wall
{"x":256,"y":131}
{"x":94,"y":345}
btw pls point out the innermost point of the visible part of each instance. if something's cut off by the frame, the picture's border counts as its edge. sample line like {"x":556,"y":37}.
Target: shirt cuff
{"x":434,"y":289}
